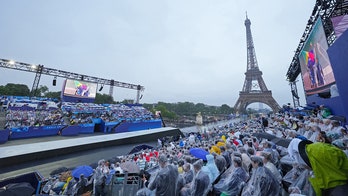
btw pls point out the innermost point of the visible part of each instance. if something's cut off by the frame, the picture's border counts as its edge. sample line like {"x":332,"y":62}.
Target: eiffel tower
{"x":254,"y":88}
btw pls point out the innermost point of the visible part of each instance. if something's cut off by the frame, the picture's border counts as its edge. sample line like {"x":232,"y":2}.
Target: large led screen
{"x":315,"y":64}
{"x":80,"y":89}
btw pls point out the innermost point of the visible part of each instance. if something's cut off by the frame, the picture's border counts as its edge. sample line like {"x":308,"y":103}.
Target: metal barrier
{"x":125,"y":184}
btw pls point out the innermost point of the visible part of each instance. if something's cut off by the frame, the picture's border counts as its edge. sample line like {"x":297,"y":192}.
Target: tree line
{"x":168,"y":110}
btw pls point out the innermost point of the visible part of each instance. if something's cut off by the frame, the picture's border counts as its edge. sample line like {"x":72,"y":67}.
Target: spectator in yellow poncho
{"x":215,"y":149}
{"x":223,"y":137}
{"x":221,"y":143}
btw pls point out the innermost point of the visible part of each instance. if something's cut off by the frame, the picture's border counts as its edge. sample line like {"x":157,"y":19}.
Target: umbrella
{"x":20,"y":189}
{"x":199,"y":153}
{"x":86,"y":170}
{"x":130,"y":167}
{"x":264,"y":135}
{"x":281,"y":142}
{"x":140,"y":148}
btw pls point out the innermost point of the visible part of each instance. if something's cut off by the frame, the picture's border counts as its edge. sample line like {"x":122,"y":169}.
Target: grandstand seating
{"x":27,"y":118}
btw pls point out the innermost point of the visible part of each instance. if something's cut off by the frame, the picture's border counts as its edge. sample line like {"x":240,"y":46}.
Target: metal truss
{"x":40,"y":69}
{"x":295,"y":97}
{"x":325,"y":9}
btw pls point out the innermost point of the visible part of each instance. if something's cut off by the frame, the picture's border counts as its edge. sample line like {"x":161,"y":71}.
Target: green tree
{"x":103,"y":98}
{"x":54,"y":95}
{"x":200,"y":107}
{"x":190,"y":109}
{"x":128,"y":101}
{"x":148,"y":106}
{"x":186,"y":108}
{"x":164,"y":112}
{"x":2,"y":90}
{"x":41,"y":91}
{"x":225,"y":109}
{"x":15,"y":89}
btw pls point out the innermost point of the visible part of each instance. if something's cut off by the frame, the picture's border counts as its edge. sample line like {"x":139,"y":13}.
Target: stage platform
{"x":27,"y":150}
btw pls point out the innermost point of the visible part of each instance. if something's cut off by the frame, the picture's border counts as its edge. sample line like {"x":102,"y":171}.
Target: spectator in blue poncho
{"x":210,"y":168}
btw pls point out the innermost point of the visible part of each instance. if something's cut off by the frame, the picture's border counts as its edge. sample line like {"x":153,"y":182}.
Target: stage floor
{"x":34,"y":154}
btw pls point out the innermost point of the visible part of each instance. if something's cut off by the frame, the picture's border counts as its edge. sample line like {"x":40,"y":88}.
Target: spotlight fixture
{"x":54,"y":82}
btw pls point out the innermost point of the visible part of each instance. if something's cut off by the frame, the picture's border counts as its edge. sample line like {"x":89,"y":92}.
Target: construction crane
{"x":40,"y":69}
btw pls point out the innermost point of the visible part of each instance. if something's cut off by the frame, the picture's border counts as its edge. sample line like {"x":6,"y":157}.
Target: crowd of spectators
{"x":25,"y":112}
{"x":239,"y":161}
{"x":274,"y":155}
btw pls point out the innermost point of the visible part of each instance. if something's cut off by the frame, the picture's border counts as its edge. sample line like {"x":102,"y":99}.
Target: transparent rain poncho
{"x":262,"y":182}
{"x":234,"y":183}
{"x":165,"y":181}
{"x":220,"y":162}
{"x":181,"y":183}
{"x":145,"y":192}
{"x":302,"y":184}
{"x":210,"y":168}
{"x":188,"y":176}
{"x":286,"y":163}
{"x":200,"y":184}
{"x":292,"y":176}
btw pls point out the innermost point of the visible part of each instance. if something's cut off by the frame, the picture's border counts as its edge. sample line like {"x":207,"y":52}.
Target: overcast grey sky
{"x":179,"y":50}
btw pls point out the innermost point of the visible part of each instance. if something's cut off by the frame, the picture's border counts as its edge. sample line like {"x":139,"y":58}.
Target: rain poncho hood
{"x":221,"y":144}
{"x":262,"y":182}
{"x":220,"y":162}
{"x":165,"y":181}
{"x":215,"y":149}
{"x":210,"y":168}
{"x":234,"y":183}
{"x":223,"y":137}
{"x":188,"y":176}
{"x":201,"y":184}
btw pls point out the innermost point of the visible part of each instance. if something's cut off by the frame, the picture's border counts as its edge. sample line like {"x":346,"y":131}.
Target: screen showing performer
{"x":77,"y":88}
{"x":317,"y":74}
